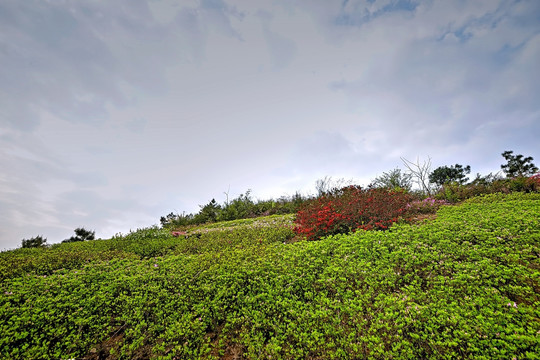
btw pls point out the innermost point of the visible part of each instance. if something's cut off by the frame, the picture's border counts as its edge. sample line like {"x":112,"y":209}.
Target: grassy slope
{"x":465,"y":285}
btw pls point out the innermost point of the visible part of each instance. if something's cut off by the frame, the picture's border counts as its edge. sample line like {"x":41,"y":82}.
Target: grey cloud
{"x":218,"y":14}
{"x":281,"y":49}
{"x":75,"y":59}
{"x":452,"y":89}
{"x":46,"y":66}
{"x":138,"y":110}
{"x":90,"y":209}
{"x":327,"y":153}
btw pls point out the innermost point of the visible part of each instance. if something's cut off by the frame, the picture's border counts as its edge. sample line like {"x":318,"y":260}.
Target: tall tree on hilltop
{"x":517,"y":165}
{"x":454,"y":173}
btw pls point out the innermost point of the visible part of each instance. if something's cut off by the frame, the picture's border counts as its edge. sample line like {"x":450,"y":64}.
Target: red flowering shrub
{"x":533,"y":182}
{"x":350,"y":209}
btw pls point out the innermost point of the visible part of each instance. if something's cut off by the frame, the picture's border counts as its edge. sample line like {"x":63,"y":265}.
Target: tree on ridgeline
{"x":34,"y":242}
{"x":517,"y":165}
{"x":393,"y":179}
{"x":446,"y":174}
{"x":81,"y":234}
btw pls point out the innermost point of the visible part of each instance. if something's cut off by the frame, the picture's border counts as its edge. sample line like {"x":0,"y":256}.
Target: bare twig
{"x":420,"y":172}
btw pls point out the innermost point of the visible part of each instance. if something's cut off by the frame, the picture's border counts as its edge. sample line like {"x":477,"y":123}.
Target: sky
{"x":115,"y":113}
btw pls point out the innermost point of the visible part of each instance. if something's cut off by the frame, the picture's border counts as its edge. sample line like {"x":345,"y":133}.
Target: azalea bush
{"x":426,"y":206}
{"x":349,"y":209}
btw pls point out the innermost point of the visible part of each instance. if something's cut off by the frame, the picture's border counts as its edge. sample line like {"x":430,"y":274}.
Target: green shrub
{"x":241,"y":207}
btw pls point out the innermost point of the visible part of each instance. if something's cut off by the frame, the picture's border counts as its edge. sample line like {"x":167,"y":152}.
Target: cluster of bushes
{"x":390,"y":197}
{"x":242,"y":207}
{"x":451,"y":183}
{"x":455,"y":192}
{"x":81,"y":234}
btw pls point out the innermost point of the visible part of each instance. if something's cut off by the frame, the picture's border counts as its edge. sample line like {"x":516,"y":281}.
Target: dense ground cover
{"x":465,"y":285}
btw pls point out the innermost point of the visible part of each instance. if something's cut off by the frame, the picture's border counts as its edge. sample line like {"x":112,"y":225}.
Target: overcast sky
{"x":115,"y":113}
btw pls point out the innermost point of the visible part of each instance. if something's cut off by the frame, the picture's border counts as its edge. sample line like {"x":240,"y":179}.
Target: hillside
{"x":464,"y":285}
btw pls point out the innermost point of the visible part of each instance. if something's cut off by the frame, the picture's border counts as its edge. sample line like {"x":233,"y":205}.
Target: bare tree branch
{"x":420,"y":173}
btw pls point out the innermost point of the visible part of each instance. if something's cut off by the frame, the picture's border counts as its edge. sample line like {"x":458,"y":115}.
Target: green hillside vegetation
{"x":465,"y":284}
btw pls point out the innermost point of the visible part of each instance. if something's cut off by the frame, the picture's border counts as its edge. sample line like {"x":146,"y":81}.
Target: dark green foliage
{"x":209,"y":213}
{"x":167,"y":220}
{"x":34,"y":242}
{"x":81,"y":234}
{"x":174,"y":221}
{"x":393,"y":180}
{"x":447,"y":174}
{"x":240,"y":208}
{"x":517,"y":165}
